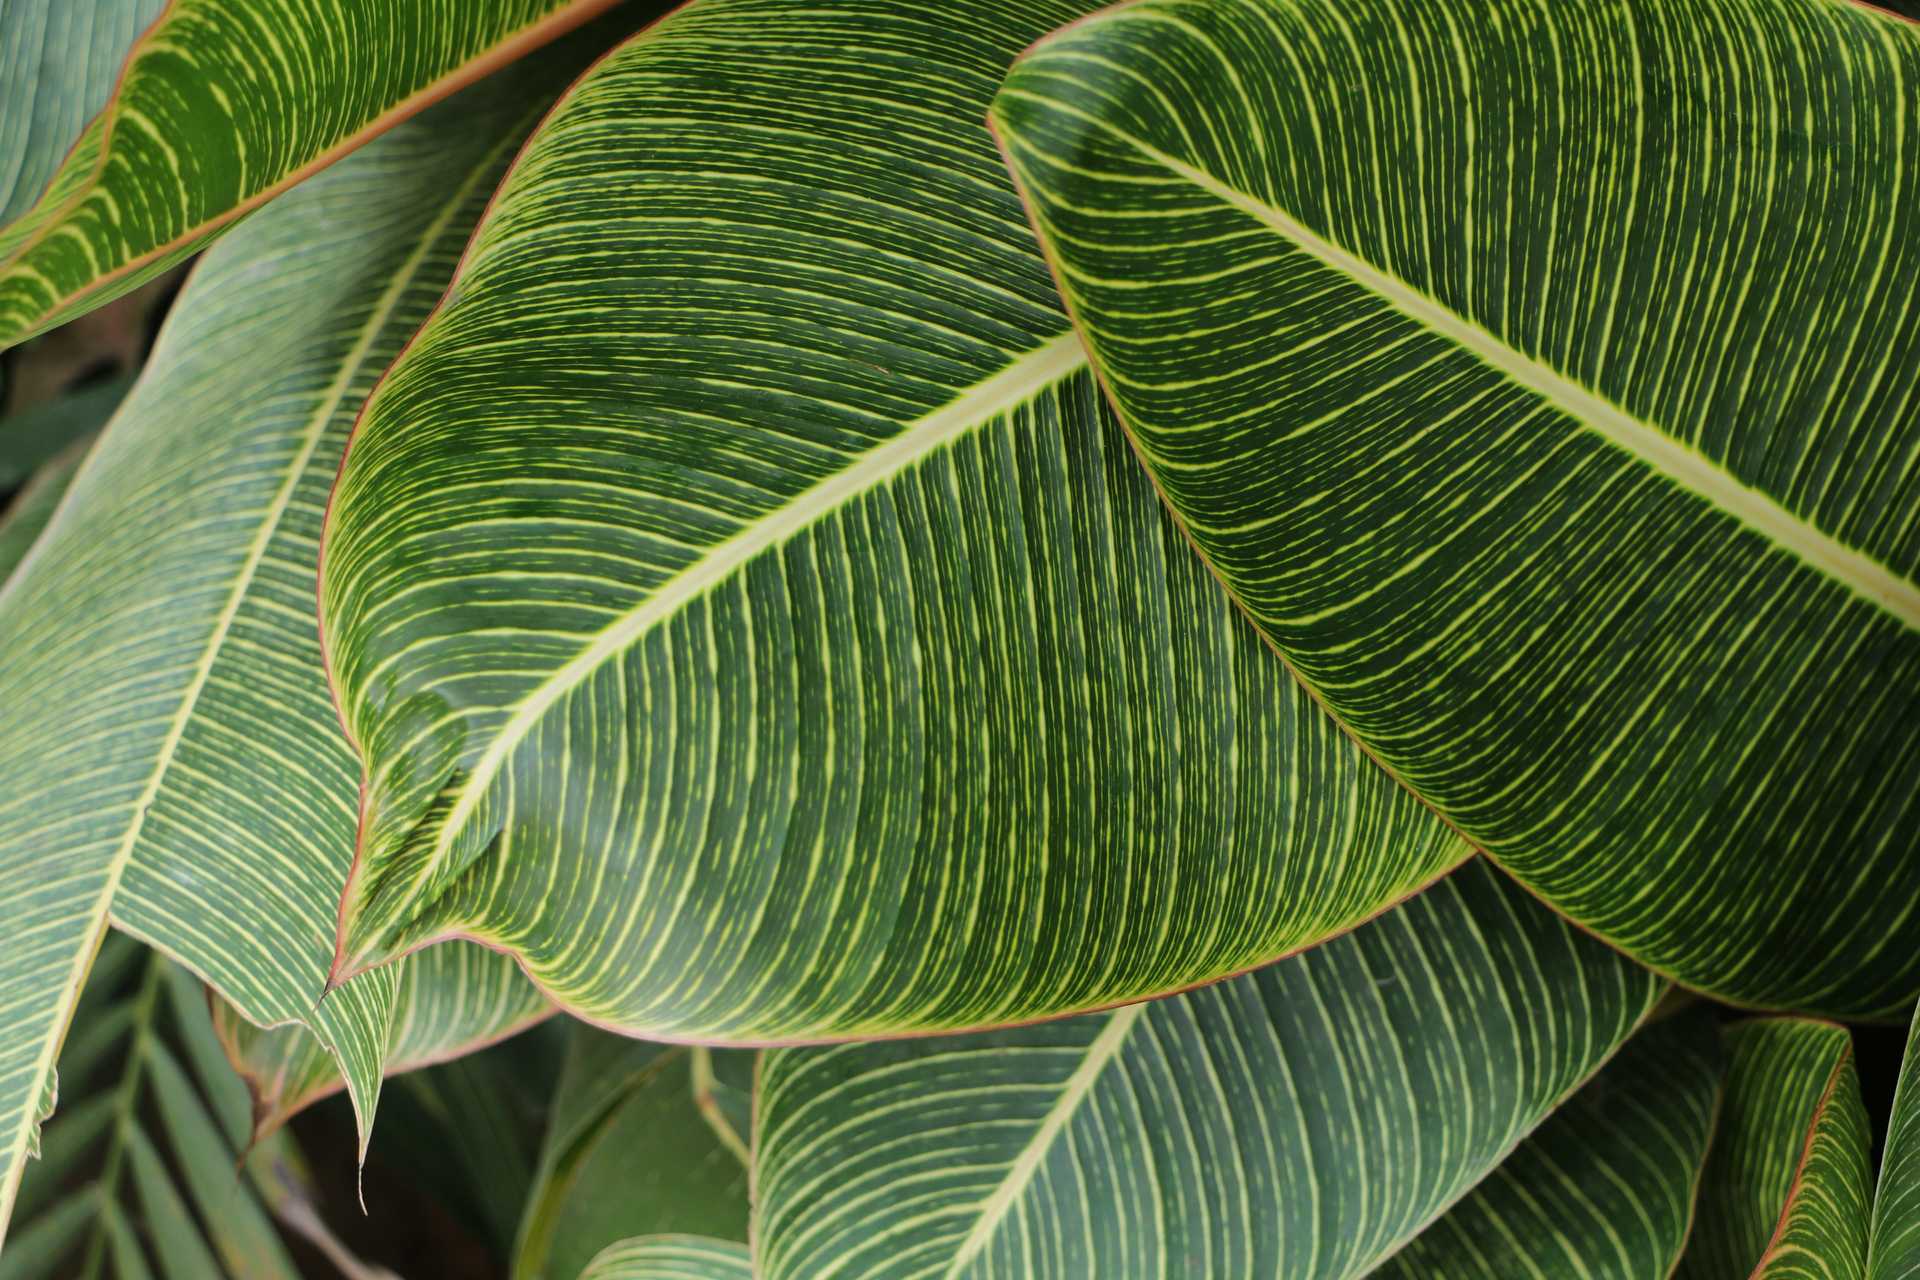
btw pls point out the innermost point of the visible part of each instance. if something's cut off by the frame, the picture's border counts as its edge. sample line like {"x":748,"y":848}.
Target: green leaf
{"x":220,"y":106}
{"x":142,"y":1167}
{"x":24,"y":519}
{"x":671,"y":1258}
{"x":1605,"y":1186}
{"x":748,"y":614}
{"x":1894,"y":1252}
{"x":1786,"y":1191}
{"x":1302,"y":1121}
{"x":451,"y":1001}
{"x":170,"y":751}
{"x":58,"y":62}
{"x":636,"y":1146}
{"x":1538,"y":378}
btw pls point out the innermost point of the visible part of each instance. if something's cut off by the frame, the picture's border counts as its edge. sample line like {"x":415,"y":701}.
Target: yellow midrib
{"x":1860,"y":573}
{"x":1019,"y":382}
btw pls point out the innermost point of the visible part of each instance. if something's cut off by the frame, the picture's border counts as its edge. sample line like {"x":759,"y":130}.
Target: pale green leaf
{"x":1786,"y":1192}
{"x":1305,"y":1120}
{"x":26,"y":517}
{"x":671,"y":1258}
{"x":633,"y":1148}
{"x":32,"y":438}
{"x":747,"y":613}
{"x":170,"y":750}
{"x":220,"y":105}
{"x":1540,"y":379}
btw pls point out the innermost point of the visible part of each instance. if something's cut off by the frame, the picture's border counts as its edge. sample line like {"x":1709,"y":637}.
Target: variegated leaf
{"x":748,"y":615}
{"x":220,"y":105}
{"x":1542,"y":379}
{"x":170,"y":756}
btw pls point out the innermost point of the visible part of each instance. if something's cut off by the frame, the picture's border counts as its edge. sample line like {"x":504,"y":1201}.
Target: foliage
{"x":1210,"y":637}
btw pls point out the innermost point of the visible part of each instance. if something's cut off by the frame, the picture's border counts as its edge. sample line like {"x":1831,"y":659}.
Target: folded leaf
{"x":451,"y":1001}
{"x":1539,"y":379}
{"x":171,"y":756}
{"x":222,"y":105}
{"x":633,"y":1148}
{"x":671,"y":1258}
{"x":1304,"y":1120}
{"x":747,"y":614}
{"x":1605,"y":1186}
{"x":1786,"y":1192}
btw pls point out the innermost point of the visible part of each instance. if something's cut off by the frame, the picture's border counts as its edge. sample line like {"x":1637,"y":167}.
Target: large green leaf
{"x":451,"y":1001}
{"x":1303,"y":1120}
{"x":635,"y":1146}
{"x":1786,"y":1192}
{"x":1540,"y":378}
{"x":148,"y":1080}
{"x":671,"y":1258}
{"x":167,"y":742}
{"x":58,"y":61}
{"x":748,"y":615}
{"x":221,"y":105}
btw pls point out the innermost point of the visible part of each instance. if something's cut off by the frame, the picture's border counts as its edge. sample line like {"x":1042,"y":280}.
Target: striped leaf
{"x":671,"y":1258}
{"x":145,"y":1170}
{"x":1786,"y":1192}
{"x":750,"y":618}
{"x":1894,"y":1244}
{"x":58,"y":61}
{"x":1539,"y":378}
{"x":450,"y":1002}
{"x":1305,"y":1120}
{"x":219,"y":106}
{"x":169,"y":750}
{"x":637,"y":1145}
{"x":1605,"y":1187}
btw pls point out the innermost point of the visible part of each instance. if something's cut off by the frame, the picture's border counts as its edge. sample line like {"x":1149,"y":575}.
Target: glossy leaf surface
{"x":1541,"y":380}
{"x":221,"y":105}
{"x":749,"y":616}
{"x":1304,"y":1120}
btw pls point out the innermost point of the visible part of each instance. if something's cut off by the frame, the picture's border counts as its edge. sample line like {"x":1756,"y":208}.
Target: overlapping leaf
{"x":1543,"y":385}
{"x":1605,"y":1187}
{"x":1789,"y":1192}
{"x":638,"y":1144}
{"x":167,"y":742}
{"x":1304,"y":1120}
{"x":748,"y":615}
{"x":220,"y":105}
{"x":450,"y":1001}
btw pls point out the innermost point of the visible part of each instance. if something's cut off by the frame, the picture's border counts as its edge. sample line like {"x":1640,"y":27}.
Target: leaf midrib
{"x":1020,"y":381}
{"x":1864,"y":576}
